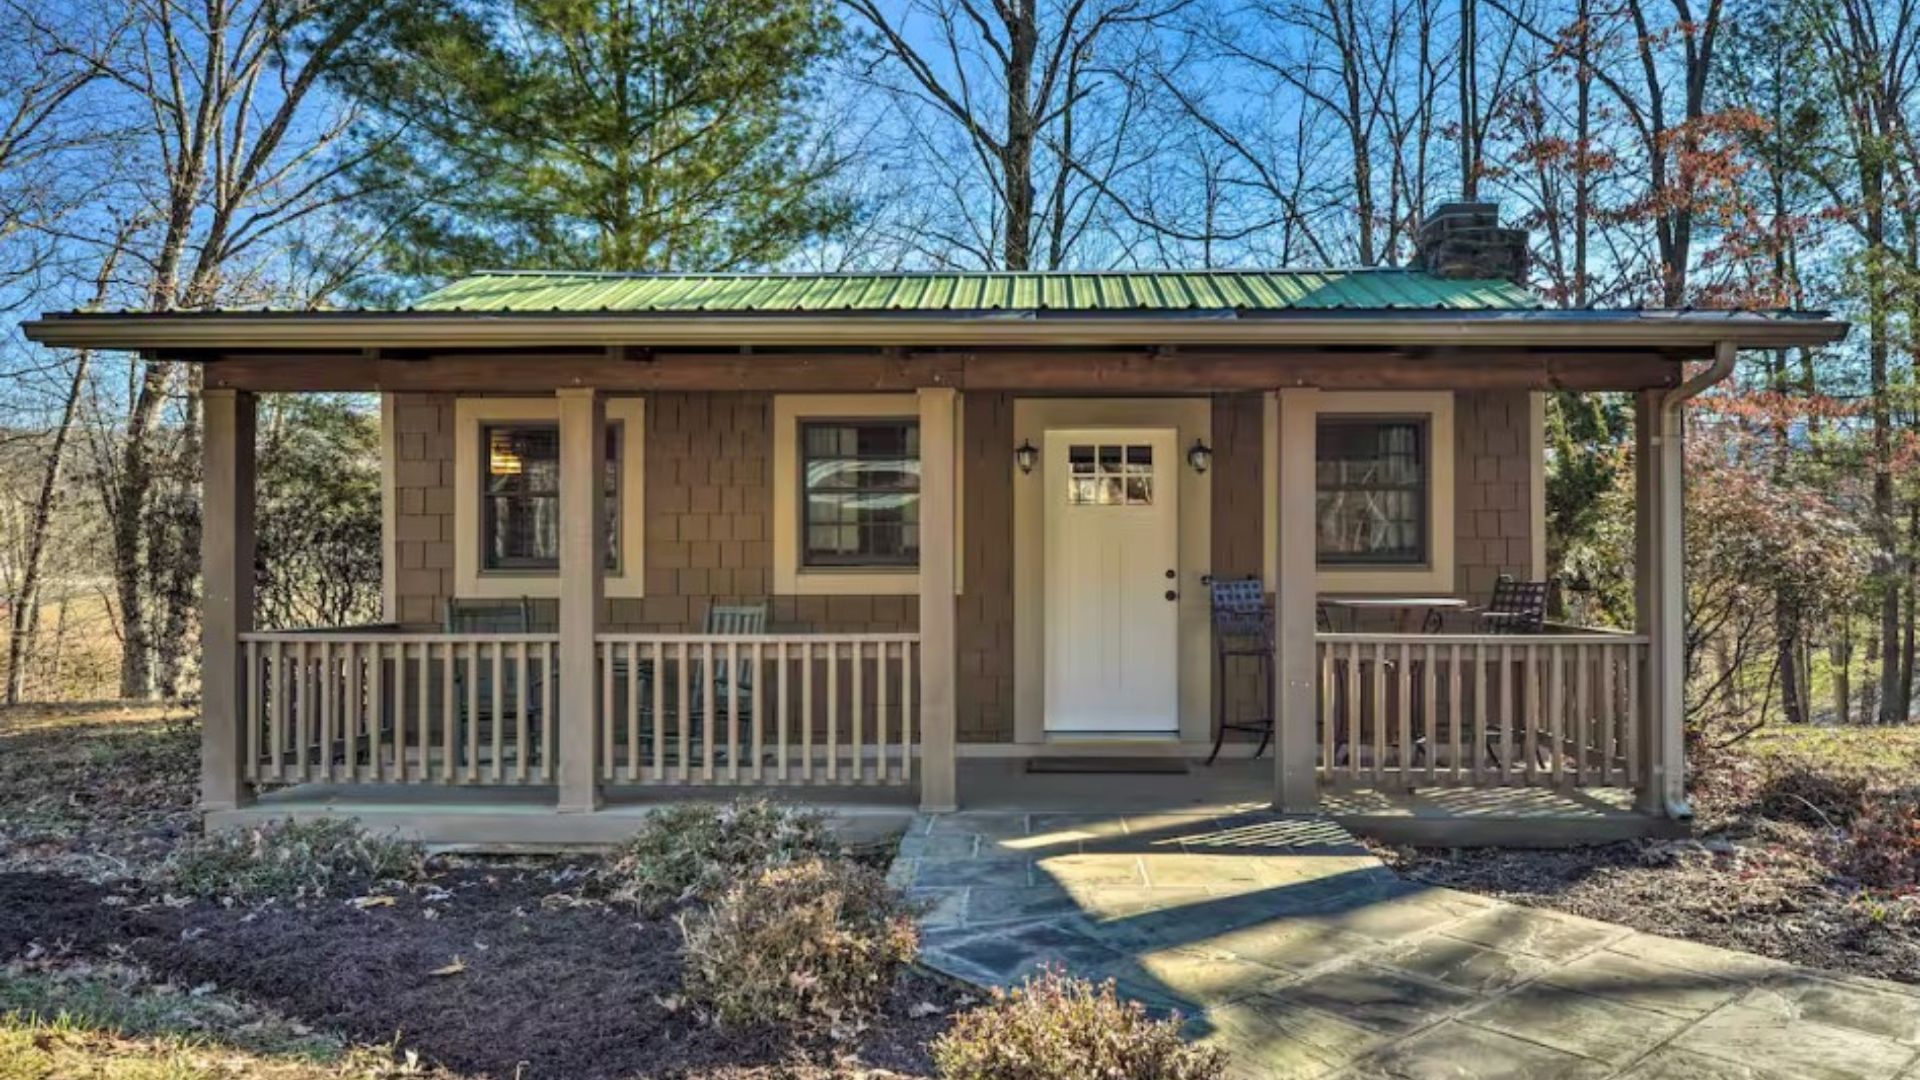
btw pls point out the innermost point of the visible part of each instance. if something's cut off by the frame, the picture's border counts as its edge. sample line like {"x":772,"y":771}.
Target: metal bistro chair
{"x":1516,"y":607}
{"x":1242,"y":626}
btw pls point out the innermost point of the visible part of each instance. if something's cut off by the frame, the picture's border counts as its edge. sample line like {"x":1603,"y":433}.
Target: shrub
{"x":288,"y":860}
{"x":695,"y":851}
{"x":813,"y":944}
{"x":1061,"y":1028}
{"x":1882,"y":849}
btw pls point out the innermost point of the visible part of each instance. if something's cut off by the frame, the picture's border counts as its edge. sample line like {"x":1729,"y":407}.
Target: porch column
{"x":938,"y":499}
{"x":1660,"y":601}
{"x":583,"y":559}
{"x":1296,"y":787}
{"x":226,"y":598}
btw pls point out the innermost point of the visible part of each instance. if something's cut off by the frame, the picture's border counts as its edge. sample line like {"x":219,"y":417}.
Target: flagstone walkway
{"x":1283,"y":941}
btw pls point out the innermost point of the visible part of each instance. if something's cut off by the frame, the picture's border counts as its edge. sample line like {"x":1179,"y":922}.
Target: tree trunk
{"x":132,"y":494}
{"x":1017,"y":159}
{"x":26,"y":602}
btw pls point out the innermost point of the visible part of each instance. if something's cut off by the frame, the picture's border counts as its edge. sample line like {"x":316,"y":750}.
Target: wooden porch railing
{"x":392,"y":707}
{"x":766,"y":709}
{"x":1555,"y":709}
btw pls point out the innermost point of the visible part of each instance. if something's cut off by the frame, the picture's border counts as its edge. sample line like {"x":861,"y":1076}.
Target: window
{"x":520,"y":497}
{"x":860,"y":484}
{"x":1109,"y":475}
{"x":1371,"y":497}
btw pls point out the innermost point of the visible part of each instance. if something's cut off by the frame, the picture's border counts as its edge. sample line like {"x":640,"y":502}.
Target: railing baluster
{"x":857,"y":717}
{"x":1609,"y":665}
{"x":1582,"y":711}
{"x":907,"y":689}
{"x":1556,"y":708}
{"x":1328,"y":689}
{"x":1402,"y":680}
{"x":1531,"y":717}
{"x":520,"y":695}
{"x":659,"y":683}
{"x":549,"y":718}
{"x":635,"y":759}
{"x":377,"y":712}
{"x":1429,"y":707}
{"x":733,"y":711}
{"x":323,"y":714}
{"x":833,"y":711}
{"x":1630,"y":726}
{"x":355,"y":713}
{"x":1354,"y":710}
{"x":498,"y":741}
{"x":1454,"y":711}
{"x":880,"y":713}
{"x":1379,"y":703}
{"x":303,"y":705}
{"x":780,"y":705}
{"x":604,"y":710}
{"x":756,"y":709}
{"x":1482,"y":736}
{"x":806,"y":710}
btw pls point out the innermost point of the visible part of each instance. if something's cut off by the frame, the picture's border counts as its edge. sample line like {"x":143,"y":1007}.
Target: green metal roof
{"x":1217,"y":290}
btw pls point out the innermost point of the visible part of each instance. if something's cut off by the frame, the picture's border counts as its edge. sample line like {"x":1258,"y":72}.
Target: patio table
{"x":1413,"y":610}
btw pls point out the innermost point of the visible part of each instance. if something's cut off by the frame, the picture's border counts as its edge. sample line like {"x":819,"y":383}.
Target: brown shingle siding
{"x":1492,"y":466}
{"x":984,"y":621}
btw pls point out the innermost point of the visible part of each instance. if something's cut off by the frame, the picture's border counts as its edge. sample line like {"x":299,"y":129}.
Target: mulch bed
{"x":547,"y":990}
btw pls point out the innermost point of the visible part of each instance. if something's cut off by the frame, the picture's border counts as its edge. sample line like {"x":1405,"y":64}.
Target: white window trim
{"x":1436,"y":574}
{"x":790,"y":577}
{"x":469,"y":579}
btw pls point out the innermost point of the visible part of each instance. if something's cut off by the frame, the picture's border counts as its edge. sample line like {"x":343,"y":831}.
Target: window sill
{"x":538,"y":584}
{"x":850,"y":582}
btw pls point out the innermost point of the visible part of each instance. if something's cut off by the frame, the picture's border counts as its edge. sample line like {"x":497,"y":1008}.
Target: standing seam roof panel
{"x":1087,"y":292}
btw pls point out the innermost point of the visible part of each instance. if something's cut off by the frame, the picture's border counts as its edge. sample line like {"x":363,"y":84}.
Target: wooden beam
{"x":1064,"y":371}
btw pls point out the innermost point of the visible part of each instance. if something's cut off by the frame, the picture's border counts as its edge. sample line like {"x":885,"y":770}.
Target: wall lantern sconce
{"x":1199,"y":455}
{"x":1026,"y":456}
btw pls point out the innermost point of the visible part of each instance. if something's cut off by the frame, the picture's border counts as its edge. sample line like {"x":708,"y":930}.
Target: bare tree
{"x":1020,"y":81}
{"x":226,"y":92}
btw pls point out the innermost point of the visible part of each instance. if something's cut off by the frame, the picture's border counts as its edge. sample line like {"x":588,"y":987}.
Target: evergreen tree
{"x":594,"y":134}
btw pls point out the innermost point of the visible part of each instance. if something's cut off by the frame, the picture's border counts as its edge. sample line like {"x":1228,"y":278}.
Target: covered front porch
{"x":562,"y":734}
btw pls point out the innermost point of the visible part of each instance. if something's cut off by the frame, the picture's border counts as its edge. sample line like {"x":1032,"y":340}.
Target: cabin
{"x":940,"y":540}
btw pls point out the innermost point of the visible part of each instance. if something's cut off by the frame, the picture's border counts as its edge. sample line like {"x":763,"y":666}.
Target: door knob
{"x":1171,"y":595}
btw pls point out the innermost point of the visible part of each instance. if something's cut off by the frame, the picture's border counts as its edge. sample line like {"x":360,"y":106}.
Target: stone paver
{"x":1283,"y":941}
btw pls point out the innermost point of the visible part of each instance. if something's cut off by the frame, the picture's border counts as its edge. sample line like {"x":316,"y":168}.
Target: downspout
{"x":1671,"y":588}
{"x":1715,"y":372}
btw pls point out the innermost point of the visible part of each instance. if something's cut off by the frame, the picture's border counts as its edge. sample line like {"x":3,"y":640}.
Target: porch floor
{"x":1286,"y":944}
{"x":525,"y":818}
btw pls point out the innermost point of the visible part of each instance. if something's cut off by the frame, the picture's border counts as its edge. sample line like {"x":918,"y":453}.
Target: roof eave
{"x":1677,"y":330}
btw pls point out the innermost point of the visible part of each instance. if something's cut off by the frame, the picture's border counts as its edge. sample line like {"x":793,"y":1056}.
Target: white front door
{"x":1112,"y":556}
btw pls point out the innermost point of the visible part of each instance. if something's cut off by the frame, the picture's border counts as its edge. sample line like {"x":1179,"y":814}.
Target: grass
{"x":93,"y":788}
{"x":113,"y":1023}
{"x":1894,"y":751}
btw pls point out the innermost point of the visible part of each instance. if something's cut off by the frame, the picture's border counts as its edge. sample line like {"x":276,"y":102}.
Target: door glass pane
{"x":1116,"y":475}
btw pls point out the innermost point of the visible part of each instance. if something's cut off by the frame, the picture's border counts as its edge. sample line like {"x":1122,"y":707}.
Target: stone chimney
{"x":1465,"y":240}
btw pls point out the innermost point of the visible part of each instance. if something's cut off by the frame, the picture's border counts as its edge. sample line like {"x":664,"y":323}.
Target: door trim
{"x":1191,"y":418}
